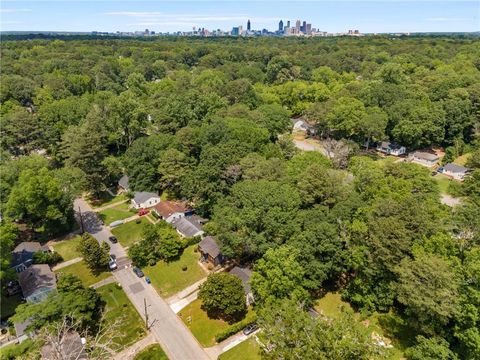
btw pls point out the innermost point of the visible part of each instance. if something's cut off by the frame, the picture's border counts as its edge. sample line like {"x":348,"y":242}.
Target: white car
{"x":112,"y":264}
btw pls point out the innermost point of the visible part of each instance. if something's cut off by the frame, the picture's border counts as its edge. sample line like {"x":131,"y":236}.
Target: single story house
{"x":455,"y":171}
{"x":210,"y":251}
{"x":23,"y":254}
{"x":424,"y":158}
{"x":37,"y":282}
{"x":123,"y":183}
{"x":71,"y":346}
{"x":244,"y":274}
{"x":188,"y":226}
{"x":301,"y":125}
{"x":144,"y":199}
{"x":171,"y":210}
{"x":391,"y":148}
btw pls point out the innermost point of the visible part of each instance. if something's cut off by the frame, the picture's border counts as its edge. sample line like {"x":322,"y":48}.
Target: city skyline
{"x":168,"y":16}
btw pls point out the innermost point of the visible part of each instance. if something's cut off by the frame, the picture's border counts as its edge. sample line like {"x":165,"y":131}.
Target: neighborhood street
{"x":169,"y":330}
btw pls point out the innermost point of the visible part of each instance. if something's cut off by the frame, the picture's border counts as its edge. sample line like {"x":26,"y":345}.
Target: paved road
{"x":169,"y":330}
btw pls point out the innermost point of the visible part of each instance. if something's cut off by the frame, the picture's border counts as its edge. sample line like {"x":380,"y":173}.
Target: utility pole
{"x":146,"y":313}
{"x":81,"y":219}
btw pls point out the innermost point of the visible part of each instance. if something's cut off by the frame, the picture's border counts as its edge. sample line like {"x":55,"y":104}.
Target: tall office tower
{"x":288,"y":23}
{"x":308,"y":30}
{"x":297,"y":26}
{"x":235,"y":31}
{"x":304,"y":27}
{"x":280,"y":25}
{"x":248,"y":25}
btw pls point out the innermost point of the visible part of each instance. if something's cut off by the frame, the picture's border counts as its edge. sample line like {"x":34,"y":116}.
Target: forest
{"x":209,"y":121}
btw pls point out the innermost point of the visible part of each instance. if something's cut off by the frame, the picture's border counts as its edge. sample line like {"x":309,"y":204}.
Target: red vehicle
{"x":142,"y":212}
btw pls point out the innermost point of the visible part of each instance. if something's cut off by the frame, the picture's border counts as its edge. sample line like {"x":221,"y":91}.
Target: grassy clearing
{"x":9,"y":304}
{"x":105,"y":199}
{"x":68,"y":248}
{"x":246,"y":350}
{"x":443,"y":183}
{"x":118,"y":212}
{"x":118,"y":307}
{"x":152,"y":352}
{"x":462,"y":160}
{"x":331,"y":305}
{"x":129,"y":233}
{"x":201,"y":326}
{"x":82,"y":271}
{"x":169,"y":278}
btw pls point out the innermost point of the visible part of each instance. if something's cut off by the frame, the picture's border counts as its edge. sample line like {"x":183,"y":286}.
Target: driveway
{"x":172,"y":334}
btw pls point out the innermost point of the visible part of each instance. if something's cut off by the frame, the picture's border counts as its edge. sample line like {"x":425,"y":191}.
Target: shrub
{"x":193,"y":240}
{"x":235,"y":328}
{"x":49,"y":258}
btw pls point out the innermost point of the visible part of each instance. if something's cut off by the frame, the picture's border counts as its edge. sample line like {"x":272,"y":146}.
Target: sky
{"x":168,"y":16}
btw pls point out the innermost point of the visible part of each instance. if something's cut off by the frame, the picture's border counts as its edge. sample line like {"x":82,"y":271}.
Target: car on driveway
{"x":113,"y":239}
{"x":112,"y":264}
{"x":138,"y":272}
{"x":250,"y":329}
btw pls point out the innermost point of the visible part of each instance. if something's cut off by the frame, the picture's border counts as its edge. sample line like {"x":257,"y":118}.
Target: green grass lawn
{"x":443,"y":183}
{"x":105,"y":199}
{"x":331,"y":306}
{"x":152,"y":352}
{"x":169,"y":278}
{"x":81,"y":270}
{"x":246,"y":350}
{"x":118,"y":306}
{"x":201,"y":326}
{"x":118,"y":212}
{"x":68,"y":248}
{"x":462,"y":160}
{"x":9,"y":304}
{"x":129,"y":233}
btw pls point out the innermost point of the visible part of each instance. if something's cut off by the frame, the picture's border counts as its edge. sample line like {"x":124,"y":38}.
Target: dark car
{"x":250,"y":329}
{"x":138,"y":272}
{"x":113,"y":239}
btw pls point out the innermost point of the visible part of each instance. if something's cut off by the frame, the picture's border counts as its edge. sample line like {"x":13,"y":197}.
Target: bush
{"x":192,"y":240}
{"x":49,"y":258}
{"x":235,"y":328}
{"x":155,"y":215}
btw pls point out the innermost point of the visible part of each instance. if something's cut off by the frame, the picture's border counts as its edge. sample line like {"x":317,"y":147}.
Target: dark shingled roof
{"x":455,"y":168}
{"x":244,"y":275}
{"x":36,"y":277}
{"x":188,"y":226}
{"x":71,"y":346}
{"x":123,"y":182}
{"x":25,"y":250}
{"x":209,"y":246}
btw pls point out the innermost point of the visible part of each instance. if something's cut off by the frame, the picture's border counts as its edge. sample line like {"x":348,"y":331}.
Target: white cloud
{"x":14,"y":10}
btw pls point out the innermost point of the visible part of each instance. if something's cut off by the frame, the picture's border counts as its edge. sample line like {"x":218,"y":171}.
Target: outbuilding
{"x":210,"y":250}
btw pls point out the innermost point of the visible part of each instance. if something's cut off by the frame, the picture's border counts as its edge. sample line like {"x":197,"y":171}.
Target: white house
{"x":171,"y":210}
{"x":455,"y":171}
{"x":391,"y":148}
{"x":143,"y":199}
{"x":424,"y":158}
{"x":189,"y":226}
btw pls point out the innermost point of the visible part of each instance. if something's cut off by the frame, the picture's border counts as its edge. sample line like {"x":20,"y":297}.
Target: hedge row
{"x":235,"y":328}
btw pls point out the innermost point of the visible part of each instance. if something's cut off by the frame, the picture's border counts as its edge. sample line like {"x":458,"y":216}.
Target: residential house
{"x":301,"y":125}
{"x":391,"y":148}
{"x":70,"y":345}
{"x":23,"y":254}
{"x":188,"y":226}
{"x":424,"y":158}
{"x":244,"y":274}
{"x":37,"y":282}
{"x":123,"y":183}
{"x":171,"y":210}
{"x":210,"y":251}
{"x":144,"y":199}
{"x":455,"y":171}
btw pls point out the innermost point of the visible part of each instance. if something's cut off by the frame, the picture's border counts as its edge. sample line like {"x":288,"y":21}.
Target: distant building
{"x":280,"y":26}
{"x":455,"y":171}
{"x":244,"y":274}
{"x":235,"y":31}
{"x":23,"y":254}
{"x":144,"y":199}
{"x":424,"y":158}
{"x":297,"y":26}
{"x":210,"y":250}
{"x":37,"y":282}
{"x":309,"y":29}
{"x":249,"y":25}
{"x":304,"y":27}
{"x":391,"y":148}
{"x":288,"y":23}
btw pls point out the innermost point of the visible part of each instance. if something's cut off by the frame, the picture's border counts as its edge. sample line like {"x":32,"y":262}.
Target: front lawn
{"x":131,"y":327}
{"x":152,"y":352}
{"x":246,"y":350}
{"x":118,"y":212}
{"x":443,"y":183}
{"x":68,"y":248}
{"x":129,"y":233}
{"x":201,"y":326}
{"x":105,"y":199}
{"x":83,"y":272}
{"x":9,"y":304}
{"x":168,"y":278}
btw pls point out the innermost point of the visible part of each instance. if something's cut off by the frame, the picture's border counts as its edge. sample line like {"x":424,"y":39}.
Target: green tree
{"x":346,"y":116}
{"x":173,"y":167}
{"x":8,"y":236}
{"x":430,"y":349}
{"x":223,"y":297}
{"x":94,"y":255}
{"x":373,"y":125}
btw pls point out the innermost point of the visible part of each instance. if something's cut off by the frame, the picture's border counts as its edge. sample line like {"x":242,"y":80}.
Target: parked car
{"x":112,"y":264}
{"x":113,"y":239}
{"x":138,"y":272}
{"x":142,"y":212}
{"x":250,"y":329}
{"x":147,"y":280}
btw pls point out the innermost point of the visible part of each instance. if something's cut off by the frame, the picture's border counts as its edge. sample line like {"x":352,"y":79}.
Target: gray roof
{"x":70,"y":345}
{"x":24,"y":251}
{"x":188,"y":226}
{"x":244,"y":275}
{"x":455,"y":168}
{"x":37,"y":277}
{"x":389,"y":145}
{"x":209,"y":246}
{"x":123,"y":182}
{"x":425,"y":156}
{"x":142,"y":196}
